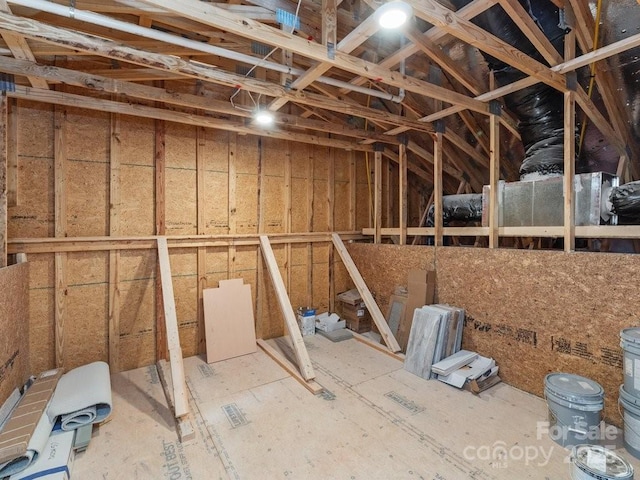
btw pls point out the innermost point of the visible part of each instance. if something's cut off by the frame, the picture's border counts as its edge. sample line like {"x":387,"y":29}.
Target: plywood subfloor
{"x":374,"y":421}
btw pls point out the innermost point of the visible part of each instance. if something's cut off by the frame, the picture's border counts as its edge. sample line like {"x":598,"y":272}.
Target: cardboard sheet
{"x":229,"y":322}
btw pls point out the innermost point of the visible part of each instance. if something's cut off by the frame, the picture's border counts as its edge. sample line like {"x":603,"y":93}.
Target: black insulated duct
{"x":458,"y":208}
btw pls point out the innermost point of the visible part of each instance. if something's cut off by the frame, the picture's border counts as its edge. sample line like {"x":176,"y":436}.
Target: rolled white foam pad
{"x":37,"y":443}
{"x":83,"y":396}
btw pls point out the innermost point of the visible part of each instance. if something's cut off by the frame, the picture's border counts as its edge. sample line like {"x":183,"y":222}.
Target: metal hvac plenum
{"x":540,"y":203}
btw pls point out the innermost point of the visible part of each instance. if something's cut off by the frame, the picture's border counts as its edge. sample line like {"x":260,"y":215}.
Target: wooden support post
{"x":233,"y":146}
{"x":299,"y":348}
{"x":367,"y":298}
{"x":570,"y":147}
{"x":287,"y":214}
{"x":201,"y":213}
{"x":114,"y":255}
{"x":377,"y":197}
{"x":402,"y":193}
{"x":310,"y":220}
{"x":180,"y":398}
{"x":160,"y":214}
{"x":4,"y":140}
{"x":331,"y":180}
{"x":12,"y":153}
{"x":437,"y":188}
{"x":60,"y":215}
{"x":494,"y":178}
{"x":353,"y":189}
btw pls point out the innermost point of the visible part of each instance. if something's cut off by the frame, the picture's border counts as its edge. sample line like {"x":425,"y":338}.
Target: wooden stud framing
{"x":287,"y":214}
{"x":232,"y":216}
{"x":353,"y":188}
{"x":402,"y":193}
{"x":569,"y":149}
{"x":365,"y":294}
{"x":12,"y":153}
{"x":331,"y":194}
{"x":114,"y":255}
{"x":377,"y":195}
{"x":299,"y":348}
{"x":201,"y":140}
{"x":180,"y":396}
{"x":160,"y":219}
{"x":4,"y":140}
{"x":437,"y":188}
{"x":60,"y":214}
{"x":494,"y":179}
{"x":310,"y":221}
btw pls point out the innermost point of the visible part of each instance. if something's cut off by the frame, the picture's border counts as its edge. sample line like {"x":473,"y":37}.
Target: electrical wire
{"x":273,"y":50}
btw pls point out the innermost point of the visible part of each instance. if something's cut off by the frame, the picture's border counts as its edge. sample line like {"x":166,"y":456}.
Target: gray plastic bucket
{"x":631,"y":415}
{"x":595,"y":462}
{"x":630,"y":342}
{"x":575,"y":405}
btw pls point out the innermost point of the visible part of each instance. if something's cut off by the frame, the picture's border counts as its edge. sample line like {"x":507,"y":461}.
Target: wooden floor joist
{"x":368,"y":299}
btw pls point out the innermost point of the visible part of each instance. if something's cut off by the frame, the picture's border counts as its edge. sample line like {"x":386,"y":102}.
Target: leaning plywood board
{"x":180,"y":400}
{"x":302,"y":357}
{"x":228,"y":319}
{"x":368,"y":299}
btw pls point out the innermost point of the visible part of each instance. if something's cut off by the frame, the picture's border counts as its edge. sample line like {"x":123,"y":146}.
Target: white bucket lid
{"x":574,"y":388}
{"x":631,"y":334}
{"x":599,"y":461}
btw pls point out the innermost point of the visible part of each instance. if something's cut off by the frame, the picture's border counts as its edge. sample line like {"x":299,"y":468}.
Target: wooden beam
{"x":162,"y":352}
{"x":201,"y":148}
{"x":60,"y":227}
{"x":231,"y":202}
{"x":437,"y":188}
{"x":20,"y":49}
{"x":299,"y":348}
{"x":402,"y":193}
{"x":448,"y":20}
{"x":72,"y":100}
{"x":377,"y":195}
{"x":4,"y":213}
{"x":180,"y":396}
{"x":114,"y":255}
{"x":311,"y":385}
{"x":494,"y":180}
{"x":365,"y":294}
{"x":111,"y":85}
{"x":569,"y":151}
{"x":12,"y":153}
{"x":353,"y":190}
{"x":213,"y":16}
{"x":331,"y":224}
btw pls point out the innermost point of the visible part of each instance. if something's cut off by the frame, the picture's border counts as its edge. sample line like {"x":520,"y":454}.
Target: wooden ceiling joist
{"x":211,"y":15}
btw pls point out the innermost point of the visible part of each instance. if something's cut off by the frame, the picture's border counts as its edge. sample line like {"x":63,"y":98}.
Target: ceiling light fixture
{"x":263,"y":117}
{"x":393,"y":14}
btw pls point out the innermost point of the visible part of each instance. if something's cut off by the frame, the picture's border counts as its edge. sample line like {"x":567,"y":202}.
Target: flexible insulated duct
{"x":539,"y":108}
{"x":458,"y":208}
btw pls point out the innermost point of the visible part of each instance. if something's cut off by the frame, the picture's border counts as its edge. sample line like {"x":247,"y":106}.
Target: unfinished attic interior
{"x":283,"y":239}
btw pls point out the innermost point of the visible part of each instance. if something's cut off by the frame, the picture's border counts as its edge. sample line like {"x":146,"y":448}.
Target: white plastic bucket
{"x":631,"y":415}
{"x":575,"y":406}
{"x":589,"y":462}
{"x":630,"y":342}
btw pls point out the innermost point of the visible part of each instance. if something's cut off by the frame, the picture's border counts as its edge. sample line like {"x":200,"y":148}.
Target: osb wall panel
{"x":538,"y":312}
{"x":33,"y":217}
{"x":41,"y":312}
{"x":137,"y":177}
{"x":260,"y":198}
{"x":14,"y":332}
{"x":84,"y":338}
{"x":384,"y":267}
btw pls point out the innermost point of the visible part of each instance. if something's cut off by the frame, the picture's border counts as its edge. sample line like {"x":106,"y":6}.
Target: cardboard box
{"x":359,"y":324}
{"x":421,"y":285}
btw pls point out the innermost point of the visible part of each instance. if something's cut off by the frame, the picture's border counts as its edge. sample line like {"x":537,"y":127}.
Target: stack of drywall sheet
{"x":228,"y":318}
{"x":436,"y":333}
